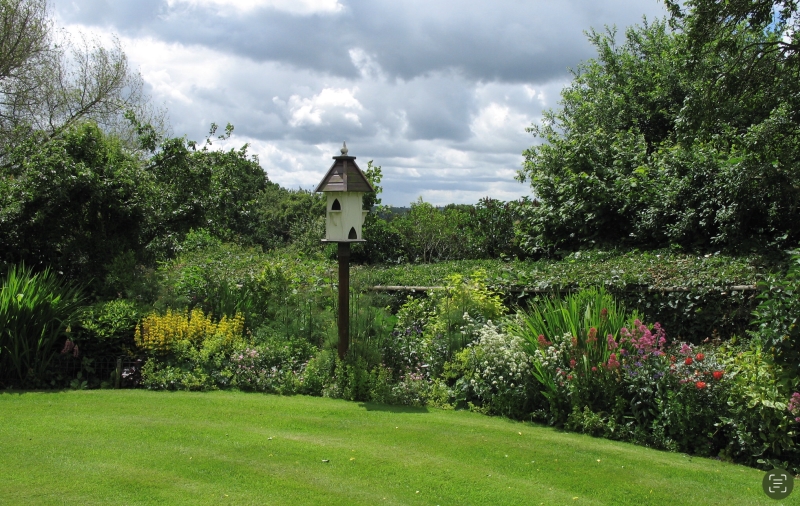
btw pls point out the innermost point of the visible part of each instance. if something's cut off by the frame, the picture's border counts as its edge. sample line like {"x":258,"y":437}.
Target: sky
{"x":439,"y":94}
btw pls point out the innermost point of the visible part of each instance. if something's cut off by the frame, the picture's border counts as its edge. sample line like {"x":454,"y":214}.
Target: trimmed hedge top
{"x":650,"y":269}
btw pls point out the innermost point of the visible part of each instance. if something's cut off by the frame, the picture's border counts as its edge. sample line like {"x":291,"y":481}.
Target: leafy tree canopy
{"x":647,"y":147}
{"x":49,"y":81}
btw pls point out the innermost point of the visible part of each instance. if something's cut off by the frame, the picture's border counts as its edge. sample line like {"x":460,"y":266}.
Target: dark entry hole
{"x":336,"y":206}
{"x":352,"y":234}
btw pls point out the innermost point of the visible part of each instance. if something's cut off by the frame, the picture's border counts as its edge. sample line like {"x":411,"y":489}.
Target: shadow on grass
{"x":372,"y":406}
{"x":23,"y":391}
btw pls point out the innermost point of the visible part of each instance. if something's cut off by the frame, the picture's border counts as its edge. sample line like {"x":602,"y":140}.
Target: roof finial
{"x":344,"y":149}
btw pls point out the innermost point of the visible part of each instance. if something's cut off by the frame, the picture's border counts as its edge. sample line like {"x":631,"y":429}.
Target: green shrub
{"x":157,"y":375}
{"x":219,"y":278}
{"x":297,"y":297}
{"x":759,"y":424}
{"x":270,"y":364}
{"x":494,"y":375}
{"x":318,"y":373}
{"x":106,"y":329}
{"x":592,"y":311}
{"x":642,"y":280}
{"x":457,"y":312}
{"x":36,"y":312}
{"x":778,"y":318}
{"x":178,"y":332}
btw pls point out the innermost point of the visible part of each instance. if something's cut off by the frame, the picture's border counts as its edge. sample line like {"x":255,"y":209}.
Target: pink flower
{"x":794,"y":404}
{"x":685,"y":349}
{"x":67,"y":347}
{"x":612,"y":344}
{"x":572,"y":363}
{"x":613,"y":363}
{"x":594,"y":369}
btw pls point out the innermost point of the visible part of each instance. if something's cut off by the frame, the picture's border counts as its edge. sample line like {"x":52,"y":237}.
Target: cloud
{"x":437,"y":93}
{"x":329,"y":102}
{"x":505,"y":40}
{"x":223,"y":7}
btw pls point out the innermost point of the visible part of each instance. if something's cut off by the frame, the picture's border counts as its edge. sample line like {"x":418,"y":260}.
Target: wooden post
{"x":344,"y":298}
{"x":118,"y":374}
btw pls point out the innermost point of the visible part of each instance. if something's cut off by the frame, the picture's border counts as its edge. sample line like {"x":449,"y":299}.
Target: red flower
{"x":594,"y":369}
{"x":700,"y":385}
{"x":699,"y":357}
{"x":569,"y":376}
{"x":718,"y":375}
{"x":572,"y":363}
{"x":672,"y":358}
{"x":688,"y":361}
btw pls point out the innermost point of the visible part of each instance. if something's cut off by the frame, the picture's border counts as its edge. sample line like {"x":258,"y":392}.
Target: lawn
{"x":141,"y":447}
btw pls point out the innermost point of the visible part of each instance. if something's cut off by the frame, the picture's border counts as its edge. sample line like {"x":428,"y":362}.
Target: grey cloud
{"x":125,"y":16}
{"x":431,"y":69}
{"x":506,"y":40}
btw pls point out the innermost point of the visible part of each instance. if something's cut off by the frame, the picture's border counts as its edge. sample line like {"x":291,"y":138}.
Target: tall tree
{"x":49,"y":82}
{"x":639,"y":154}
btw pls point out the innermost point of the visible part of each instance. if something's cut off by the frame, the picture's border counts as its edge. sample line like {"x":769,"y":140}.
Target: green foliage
{"x":749,"y":69}
{"x":777,"y":317}
{"x":271,"y":364}
{"x":456,"y":312}
{"x":430,"y":234}
{"x":638,"y":154}
{"x":642,"y":280}
{"x":756,"y":417}
{"x":73,"y":203}
{"x":384,"y":243}
{"x":283,"y":217}
{"x":203,"y":188}
{"x":591,"y":313}
{"x":493,"y":375}
{"x":299,"y":297}
{"x":36,"y":312}
{"x":106,"y":329}
{"x":491,"y":227}
{"x":578,"y":333}
{"x":221,"y":278}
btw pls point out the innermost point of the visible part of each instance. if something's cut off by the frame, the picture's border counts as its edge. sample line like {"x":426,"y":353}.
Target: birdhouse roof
{"x":344,"y":176}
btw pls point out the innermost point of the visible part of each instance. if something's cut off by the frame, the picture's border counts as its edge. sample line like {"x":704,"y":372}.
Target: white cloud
{"x":439,"y":94}
{"x":366,"y":64}
{"x":310,"y":111}
{"x":301,"y":7}
{"x":499,"y":123}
